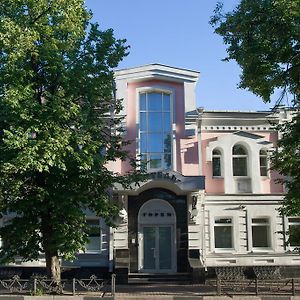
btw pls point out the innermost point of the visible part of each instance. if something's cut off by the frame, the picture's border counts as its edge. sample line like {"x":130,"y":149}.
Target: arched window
{"x":239,"y":161}
{"x":216,"y":163}
{"x":263,"y":162}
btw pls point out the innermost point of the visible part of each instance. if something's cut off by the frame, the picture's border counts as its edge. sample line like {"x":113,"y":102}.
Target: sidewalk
{"x":183,"y":292}
{"x":165,"y":289}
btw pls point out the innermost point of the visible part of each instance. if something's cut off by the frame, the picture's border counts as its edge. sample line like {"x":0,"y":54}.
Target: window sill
{"x":225,"y":250}
{"x":262,"y":250}
{"x":217,"y":177}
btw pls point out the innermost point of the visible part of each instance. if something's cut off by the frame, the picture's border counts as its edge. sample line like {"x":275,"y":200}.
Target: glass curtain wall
{"x":155,"y":130}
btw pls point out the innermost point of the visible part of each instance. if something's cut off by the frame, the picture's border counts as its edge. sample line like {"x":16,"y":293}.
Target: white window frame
{"x":213,"y":242}
{"x":269,"y":237}
{"x":220,"y":156}
{"x":88,"y":251}
{"x":235,"y":156}
{"x":157,"y":89}
{"x":264,"y":156}
{"x":288,"y":223}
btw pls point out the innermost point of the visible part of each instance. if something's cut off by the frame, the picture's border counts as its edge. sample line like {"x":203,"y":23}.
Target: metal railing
{"x":258,"y":287}
{"x":42,"y":285}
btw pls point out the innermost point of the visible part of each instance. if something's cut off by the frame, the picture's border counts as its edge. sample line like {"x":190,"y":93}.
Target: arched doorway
{"x":157,"y":237}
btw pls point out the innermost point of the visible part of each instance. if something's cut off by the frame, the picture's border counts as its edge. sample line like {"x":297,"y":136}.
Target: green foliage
{"x":57,"y":125}
{"x":287,"y":162}
{"x":263,"y":37}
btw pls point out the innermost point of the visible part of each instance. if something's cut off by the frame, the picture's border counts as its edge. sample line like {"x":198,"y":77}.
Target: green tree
{"x":263,"y":37}
{"x":58,"y":124}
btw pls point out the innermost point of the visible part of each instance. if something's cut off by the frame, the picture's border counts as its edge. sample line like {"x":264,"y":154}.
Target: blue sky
{"x":178,"y":33}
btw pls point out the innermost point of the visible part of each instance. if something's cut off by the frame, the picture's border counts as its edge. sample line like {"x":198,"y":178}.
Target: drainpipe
{"x":111,"y":250}
{"x":199,"y":123}
{"x":202,"y":195}
{"x":202,"y":224}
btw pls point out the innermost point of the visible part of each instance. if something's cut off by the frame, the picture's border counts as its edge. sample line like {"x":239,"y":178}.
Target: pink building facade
{"x":212,"y":200}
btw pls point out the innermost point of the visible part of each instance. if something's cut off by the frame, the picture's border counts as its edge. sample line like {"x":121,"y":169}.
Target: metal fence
{"x":257,"y":287}
{"x":267,"y":281}
{"x":42,"y":285}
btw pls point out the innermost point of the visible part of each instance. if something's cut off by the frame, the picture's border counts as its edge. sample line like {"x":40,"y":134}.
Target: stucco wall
{"x":185,"y":150}
{"x":260,"y":184}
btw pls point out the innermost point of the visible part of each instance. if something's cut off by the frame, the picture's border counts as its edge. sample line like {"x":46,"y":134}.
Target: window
{"x":94,"y":244}
{"x":223,"y":233}
{"x":239,"y":161}
{"x":260,"y":233}
{"x":294,"y":231}
{"x":155,"y":130}
{"x":263,"y":162}
{"x":5,"y":222}
{"x":216,"y":162}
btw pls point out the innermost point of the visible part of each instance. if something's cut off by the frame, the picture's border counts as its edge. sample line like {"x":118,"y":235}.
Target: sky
{"x":177,"y":33}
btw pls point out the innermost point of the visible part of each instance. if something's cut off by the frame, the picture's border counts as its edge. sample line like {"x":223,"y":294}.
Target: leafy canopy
{"x":262,"y":36}
{"x":59,"y":125}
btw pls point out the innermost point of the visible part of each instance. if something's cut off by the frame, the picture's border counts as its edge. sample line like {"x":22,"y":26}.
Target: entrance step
{"x":142,"y":278}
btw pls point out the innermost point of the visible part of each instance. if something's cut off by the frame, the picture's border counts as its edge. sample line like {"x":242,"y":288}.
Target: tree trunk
{"x":53,"y":266}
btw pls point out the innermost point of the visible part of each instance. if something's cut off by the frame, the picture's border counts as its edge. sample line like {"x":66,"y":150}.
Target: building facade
{"x":211,"y":199}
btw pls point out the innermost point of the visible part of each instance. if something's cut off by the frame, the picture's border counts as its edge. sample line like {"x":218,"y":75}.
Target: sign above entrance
{"x":185,"y":183}
{"x":165,"y":175}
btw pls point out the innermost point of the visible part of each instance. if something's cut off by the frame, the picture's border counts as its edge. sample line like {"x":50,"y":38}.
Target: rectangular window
{"x":263,"y":166}
{"x":155,"y":130}
{"x":239,"y":166}
{"x":294,"y":231}
{"x":223,"y":233}
{"x":261,"y":233}
{"x":94,"y":244}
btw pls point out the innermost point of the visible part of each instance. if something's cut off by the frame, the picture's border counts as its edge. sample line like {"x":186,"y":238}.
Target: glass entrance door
{"x":158,"y":249}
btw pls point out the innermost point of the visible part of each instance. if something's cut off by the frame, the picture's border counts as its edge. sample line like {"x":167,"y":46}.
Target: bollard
{"x":219,"y":289}
{"x":113,"y":284}
{"x":256,"y":286}
{"x":34,"y":286}
{"x":74,"y":286}
{"x":293,"y":287}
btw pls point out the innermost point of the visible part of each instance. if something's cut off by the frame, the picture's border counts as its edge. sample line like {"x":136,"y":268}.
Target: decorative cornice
{"x":157,"y":71}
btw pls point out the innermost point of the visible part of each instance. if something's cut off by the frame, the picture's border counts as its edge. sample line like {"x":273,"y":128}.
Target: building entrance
{"x":157,"y":242}
{"x":157,"y":248}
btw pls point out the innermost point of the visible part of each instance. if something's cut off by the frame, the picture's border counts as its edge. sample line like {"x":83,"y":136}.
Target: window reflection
{"x":155,"y":121}
{"x":155,"y":129}
{"x":143,"y":101}
{"x":155,"y":161}
{"x":167,"y":102}
{"x":155,"y":142}
{"x":143,"y":143}
{"x":154,"y":101}
{"x":143,"y":121}
{"x":167,"y":122}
